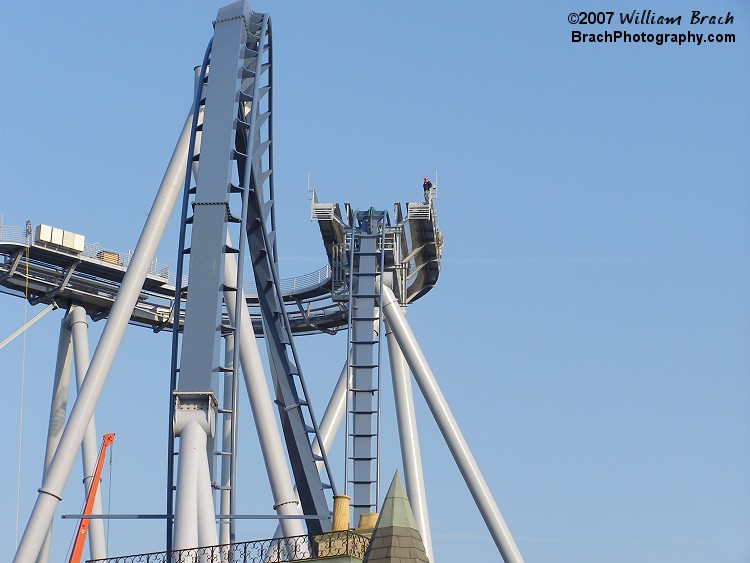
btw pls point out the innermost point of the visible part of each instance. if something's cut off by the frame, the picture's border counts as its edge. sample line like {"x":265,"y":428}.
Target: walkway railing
{"x":297,"y":284}
{"x":296,"y":548}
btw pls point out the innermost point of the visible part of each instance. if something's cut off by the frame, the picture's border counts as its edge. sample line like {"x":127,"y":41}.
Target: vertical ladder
{"x":366,"y":261}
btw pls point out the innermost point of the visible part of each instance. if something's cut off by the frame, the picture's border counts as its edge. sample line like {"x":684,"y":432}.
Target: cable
{"x":23,"y":378}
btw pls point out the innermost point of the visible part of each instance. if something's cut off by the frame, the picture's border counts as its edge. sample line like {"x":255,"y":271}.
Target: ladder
{"x":366,"y":261}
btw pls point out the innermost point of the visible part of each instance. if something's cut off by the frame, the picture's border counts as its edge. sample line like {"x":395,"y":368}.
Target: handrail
{"x":295,"y":548}
{"x":296,"y":284}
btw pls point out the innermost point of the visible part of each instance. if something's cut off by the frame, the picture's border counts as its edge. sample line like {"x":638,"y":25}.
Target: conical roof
{"x":396,"y":538}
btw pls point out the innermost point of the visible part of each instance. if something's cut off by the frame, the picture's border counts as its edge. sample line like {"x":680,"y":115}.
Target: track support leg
{"x":449,"y":428}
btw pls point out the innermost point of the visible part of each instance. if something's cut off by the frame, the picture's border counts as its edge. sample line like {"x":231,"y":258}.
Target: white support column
{"x":449,"y":428}
{"x":195,"y":517}
{"x":206,"y":510}
{"x":52,"y":487}
{"x":332,"y":417}
{"x":411,"y":456}
{"x":89,"y":447}
{"x":192,"y":449}
{"x":274,"y":458}
{"x":225,"y":526}
{"x":57,"y":411}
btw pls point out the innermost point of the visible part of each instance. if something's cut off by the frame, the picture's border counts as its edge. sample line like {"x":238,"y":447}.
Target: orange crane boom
{"x":83,"y":525}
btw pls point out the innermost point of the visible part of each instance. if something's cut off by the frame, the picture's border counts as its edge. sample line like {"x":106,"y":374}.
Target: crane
{"x":83,"y":525}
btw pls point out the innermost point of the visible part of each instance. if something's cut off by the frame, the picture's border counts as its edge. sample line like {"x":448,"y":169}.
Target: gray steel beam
{"x":329,"y":424}
{"x":333,"y":415}
{"x":200,"y":357}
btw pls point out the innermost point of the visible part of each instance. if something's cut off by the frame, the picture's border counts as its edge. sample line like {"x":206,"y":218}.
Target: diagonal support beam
{"x":28,"y":324}
{"x":52,"y":487}
{"x":452,"y":434}
{"x":14,"y":265}
{"x":63,"y":284}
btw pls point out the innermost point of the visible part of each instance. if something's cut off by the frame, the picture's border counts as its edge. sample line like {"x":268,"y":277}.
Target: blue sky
{"x":590,"y":327}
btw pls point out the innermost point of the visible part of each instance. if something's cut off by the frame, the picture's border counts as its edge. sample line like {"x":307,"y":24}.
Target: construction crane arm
{"x":83,"y":525}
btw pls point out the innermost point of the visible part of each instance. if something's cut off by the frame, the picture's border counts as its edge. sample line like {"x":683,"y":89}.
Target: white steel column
{"x":285,"y":499}
{"x":54,"y":482}
{"x":225,"y":526}
{"x":192,"y":449}
{"x":206,"y":510}
{"x":449,"y":428}
{"x":408,"y":435}
{"x":57,"y":411}
{"x":332,"y":417}
{"x":89,"y":447}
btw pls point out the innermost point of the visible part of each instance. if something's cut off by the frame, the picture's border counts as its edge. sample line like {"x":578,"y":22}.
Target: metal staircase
{"x":366,"y":262}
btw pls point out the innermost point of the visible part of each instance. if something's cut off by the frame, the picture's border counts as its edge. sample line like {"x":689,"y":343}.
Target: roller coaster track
{"x":94,"y":276}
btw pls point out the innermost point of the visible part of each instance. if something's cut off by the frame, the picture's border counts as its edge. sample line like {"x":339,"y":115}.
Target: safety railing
{"x":12,"y":234}
{"x":307,"y":281}
{"x":297,"y":284}
{"x":277,"y":550}
{"x":417,"y":210}
{"x":95,"y":250}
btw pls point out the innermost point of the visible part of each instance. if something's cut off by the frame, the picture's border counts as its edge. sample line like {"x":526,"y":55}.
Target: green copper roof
{"x":396,"y":538}
{"x":396,"y":510}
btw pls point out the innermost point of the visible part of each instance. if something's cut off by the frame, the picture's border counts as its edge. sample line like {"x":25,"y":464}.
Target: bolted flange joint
{"x":200,"y":407}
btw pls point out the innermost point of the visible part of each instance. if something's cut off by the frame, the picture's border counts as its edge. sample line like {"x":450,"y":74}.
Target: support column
{"x":89,"y":447}
{"x":206,"y":510}
{"x":57,"y":411}
{"x":195,"y":517}
{"x":449,"y":428}
{"x":285,"y":500}
{"x":54,"y":482}
{"x":192,"y":449}
{"x":411,"y":456}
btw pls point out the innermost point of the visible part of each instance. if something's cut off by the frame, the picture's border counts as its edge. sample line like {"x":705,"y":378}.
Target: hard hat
{"x":426,"y":180}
